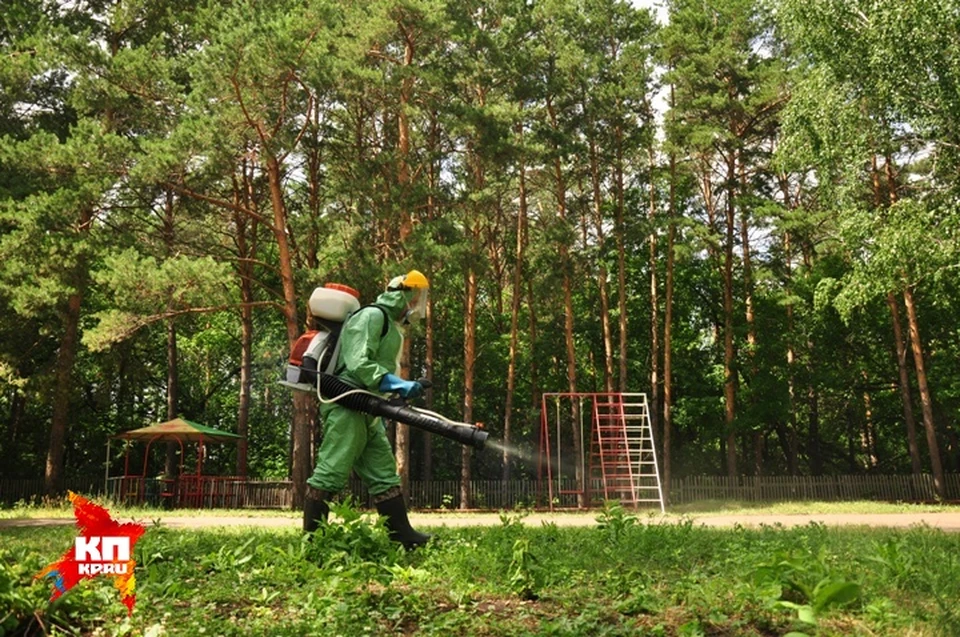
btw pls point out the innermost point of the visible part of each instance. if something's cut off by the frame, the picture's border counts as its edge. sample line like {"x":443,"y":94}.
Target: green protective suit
{"x":351,"y":439}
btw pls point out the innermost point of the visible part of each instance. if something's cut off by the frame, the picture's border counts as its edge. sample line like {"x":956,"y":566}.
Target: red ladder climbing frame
{"x":622,"y":456}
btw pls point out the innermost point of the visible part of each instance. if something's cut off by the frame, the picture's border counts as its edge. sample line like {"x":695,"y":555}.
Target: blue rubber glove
{"x":406,"y":388}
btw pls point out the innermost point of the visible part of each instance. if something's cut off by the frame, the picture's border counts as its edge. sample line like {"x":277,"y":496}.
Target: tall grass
{"x":619,"y":577}
{"x":62,"y":509}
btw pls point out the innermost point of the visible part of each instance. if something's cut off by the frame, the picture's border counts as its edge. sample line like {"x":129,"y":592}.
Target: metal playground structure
{"x":596,"y":447}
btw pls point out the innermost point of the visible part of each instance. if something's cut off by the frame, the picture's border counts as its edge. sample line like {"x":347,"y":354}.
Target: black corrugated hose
{"x":331,"y":387}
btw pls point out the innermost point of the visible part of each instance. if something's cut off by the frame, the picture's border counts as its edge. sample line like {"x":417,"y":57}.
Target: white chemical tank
{"x":334,"y":302}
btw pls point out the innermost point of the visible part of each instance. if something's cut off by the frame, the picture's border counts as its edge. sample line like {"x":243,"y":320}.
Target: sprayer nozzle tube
{"x":331,"y":387}
{"x":477,"y":437}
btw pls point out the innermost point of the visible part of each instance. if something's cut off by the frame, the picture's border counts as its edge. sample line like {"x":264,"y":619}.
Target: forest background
{"x":747,"y":210}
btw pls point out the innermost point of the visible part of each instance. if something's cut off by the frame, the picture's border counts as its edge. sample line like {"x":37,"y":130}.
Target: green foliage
{"x":153,"y":156}
{"x":524,"y":580}
{"x":25,"y":599}
{"x":145,"y":291}
{"x":615,"y":520}
{"x":510,"y":579}
{"x":351,"y":542}
{"x":806,"y":583}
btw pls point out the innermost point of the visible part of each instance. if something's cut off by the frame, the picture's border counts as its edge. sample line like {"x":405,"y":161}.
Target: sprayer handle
{"x":406,"y":388}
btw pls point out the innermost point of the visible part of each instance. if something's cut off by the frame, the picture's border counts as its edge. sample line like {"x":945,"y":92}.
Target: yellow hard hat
{"x":415,"y":279}
{"x":412,"y":280}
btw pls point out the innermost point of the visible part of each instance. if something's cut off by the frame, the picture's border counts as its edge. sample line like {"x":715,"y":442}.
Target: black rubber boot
{"x":395,"y":510}
{"x":315,"y":509}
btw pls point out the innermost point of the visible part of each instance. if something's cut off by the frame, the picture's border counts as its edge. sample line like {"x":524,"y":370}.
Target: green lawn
{"x":618,"y":578}
{"x":65,"y":510}
{"x":706,"y":507}
{"x":735,"y":507}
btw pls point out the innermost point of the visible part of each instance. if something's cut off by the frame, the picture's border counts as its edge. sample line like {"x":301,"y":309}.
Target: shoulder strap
{"x":383,"y":310}
{"x":386,"y":318}
{"x":329,"y":368}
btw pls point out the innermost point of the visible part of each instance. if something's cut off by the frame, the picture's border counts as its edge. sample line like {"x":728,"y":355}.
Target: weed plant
{"x":620,"y":577}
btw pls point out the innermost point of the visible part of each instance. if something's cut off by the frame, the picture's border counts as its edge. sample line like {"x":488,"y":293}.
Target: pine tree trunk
{"x":402,"y":440}
{"x":303,"y":403}
{"x":706,"y":189}
{"x":759,"y":437}
{"x":904,"y":382}
{"x":63,"y":378}
{"x":515,"y":313}
{"x":759,"y":449}
{"x":469,"y":364}
{"x":869,"y":436}
{"x":314,"y":165}
{"x":427,"y":461}
{"x":246,"y":250}
{"x":432,"y":172}
{"x":18,"y":404}
{"x":916,"y":345}
{"x":403,"y":135}
{"x":572,"y":376}
{"x":953,"y":448}
{"x":729,"y":373}
{"x":668,"y":335}
{"x":246,"y":377}
{"x":401,"y":431}
{"x":66,"y":355}
{"x":788,"y":434}
{"x":474,"y":233}
{"x":926,"y":400}
{"x":173,"y":385}
{"x":621,"y":261}
{"x":814,"y":451}
{"x":903,"y":374}
{"x":534,"y":363}
{"x":602,"y":270}
{"x":565,"y":266}
{"x":654,"y":304}
{"x":748,"y":292}
{"x":705,"y":170}
{"x":850,"y":418}
{"x":813,"y":440}
{"x":170,"y":465}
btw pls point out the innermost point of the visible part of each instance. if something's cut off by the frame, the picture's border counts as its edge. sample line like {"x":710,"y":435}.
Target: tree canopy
{"x":748,"y":211}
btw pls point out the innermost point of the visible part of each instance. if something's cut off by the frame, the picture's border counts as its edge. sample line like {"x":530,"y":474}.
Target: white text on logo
{"x":102,"y":555}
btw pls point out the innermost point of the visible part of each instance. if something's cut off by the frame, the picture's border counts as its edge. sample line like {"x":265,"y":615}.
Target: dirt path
{"x":947,"y":521}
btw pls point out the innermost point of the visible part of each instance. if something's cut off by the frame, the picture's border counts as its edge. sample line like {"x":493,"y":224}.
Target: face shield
{"x":416,"y":289}
{"x":417,"y":306}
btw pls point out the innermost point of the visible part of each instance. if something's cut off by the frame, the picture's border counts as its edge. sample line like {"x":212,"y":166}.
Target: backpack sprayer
{"x":314,"y":358}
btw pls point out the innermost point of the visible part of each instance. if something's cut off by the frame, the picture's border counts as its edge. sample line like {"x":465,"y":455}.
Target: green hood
{"x":395,"y":302}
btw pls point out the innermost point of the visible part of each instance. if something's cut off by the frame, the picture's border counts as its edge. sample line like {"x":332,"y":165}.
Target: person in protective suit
{"x":369,"y":358}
